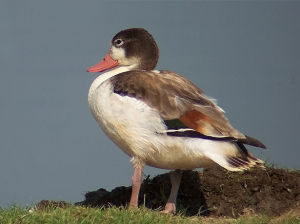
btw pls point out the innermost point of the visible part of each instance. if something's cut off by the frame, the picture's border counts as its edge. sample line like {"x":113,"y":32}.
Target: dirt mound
{"x":214,"y":192}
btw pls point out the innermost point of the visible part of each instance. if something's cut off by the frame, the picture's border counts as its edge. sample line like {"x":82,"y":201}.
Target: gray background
{"x":245,"y":54}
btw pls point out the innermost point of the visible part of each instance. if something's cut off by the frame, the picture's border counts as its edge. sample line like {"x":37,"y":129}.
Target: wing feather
{"x":175,"y":97}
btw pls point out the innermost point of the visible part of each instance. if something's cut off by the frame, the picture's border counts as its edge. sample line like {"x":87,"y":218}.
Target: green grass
{"x":81,"y":215}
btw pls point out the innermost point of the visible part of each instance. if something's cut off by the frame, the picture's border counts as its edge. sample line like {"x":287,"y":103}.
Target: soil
{"x":214,"y":192}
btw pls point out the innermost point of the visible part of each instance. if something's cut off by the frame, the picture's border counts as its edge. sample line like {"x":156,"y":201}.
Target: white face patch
{"x":119,"y":54}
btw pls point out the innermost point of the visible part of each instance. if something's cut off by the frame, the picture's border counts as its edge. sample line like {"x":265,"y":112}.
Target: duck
{"x":159,"y":118}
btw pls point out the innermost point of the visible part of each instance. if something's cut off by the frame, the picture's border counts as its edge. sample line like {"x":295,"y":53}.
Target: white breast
{"x":127,"y":121}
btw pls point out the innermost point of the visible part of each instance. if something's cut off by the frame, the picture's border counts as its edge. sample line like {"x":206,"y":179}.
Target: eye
{"x":118,"y":42}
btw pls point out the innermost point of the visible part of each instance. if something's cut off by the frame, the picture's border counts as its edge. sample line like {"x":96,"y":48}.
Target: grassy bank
{"x":81,"y":215}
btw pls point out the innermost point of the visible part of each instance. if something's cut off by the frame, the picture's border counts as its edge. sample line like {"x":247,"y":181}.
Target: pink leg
{"x":136,"y":185}
{"x":175,"y":181}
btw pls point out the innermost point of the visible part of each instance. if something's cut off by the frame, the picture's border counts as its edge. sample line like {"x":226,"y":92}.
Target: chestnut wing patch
{"x":176,"y":128}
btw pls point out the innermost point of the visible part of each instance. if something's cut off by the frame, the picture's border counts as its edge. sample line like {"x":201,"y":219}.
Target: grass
{"x":82,"y":215}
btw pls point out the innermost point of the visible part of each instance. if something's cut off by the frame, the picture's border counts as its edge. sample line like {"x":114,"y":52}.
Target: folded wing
{"x":175,"y":97}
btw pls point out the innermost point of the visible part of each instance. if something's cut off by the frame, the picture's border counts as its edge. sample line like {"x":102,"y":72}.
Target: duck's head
{"x":135,"y":48}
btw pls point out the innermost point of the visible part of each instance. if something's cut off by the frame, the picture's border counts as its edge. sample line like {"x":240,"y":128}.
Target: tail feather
{"x":244,"y":163}
{"x":242,"y":160}
{"x":237,"y":162}
{"x":252,"y":141}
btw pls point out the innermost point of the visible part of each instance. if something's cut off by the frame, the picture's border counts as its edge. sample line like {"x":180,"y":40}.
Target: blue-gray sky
{"x":245,"y":54}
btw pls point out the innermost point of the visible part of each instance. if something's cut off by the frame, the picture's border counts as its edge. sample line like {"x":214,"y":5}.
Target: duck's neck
{"x":105,"y":76}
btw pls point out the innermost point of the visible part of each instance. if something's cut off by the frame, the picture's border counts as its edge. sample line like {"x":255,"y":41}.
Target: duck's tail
{"x":235,"y":159}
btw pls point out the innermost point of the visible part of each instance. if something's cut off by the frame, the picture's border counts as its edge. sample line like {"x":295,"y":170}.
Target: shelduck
{"x":159,"y":118}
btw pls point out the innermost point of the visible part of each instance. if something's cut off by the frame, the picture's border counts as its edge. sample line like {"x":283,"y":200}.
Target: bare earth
{"x":213,"y":192}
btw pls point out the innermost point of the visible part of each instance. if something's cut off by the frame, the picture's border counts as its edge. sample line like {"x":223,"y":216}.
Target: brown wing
{"x":175,"y":97}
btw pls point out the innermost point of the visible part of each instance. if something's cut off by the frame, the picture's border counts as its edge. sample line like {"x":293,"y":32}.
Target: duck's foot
{"x":170,"y":208}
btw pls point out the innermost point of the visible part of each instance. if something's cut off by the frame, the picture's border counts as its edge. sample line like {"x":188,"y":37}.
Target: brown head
{"x":135,"y":48}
